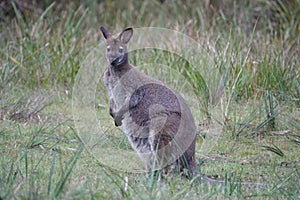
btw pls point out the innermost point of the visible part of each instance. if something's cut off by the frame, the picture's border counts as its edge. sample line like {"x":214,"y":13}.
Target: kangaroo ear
{"x":126,"y":35}
{"x":106,"y":33}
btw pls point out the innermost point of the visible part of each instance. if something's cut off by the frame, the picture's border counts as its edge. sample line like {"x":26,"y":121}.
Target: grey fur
{"x":155,"y":119}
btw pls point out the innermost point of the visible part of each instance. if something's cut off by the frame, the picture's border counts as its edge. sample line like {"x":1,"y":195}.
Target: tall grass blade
{"x":70,"y":167}
{"x":38,"y":24}
{"x":52,"y":170}
{"x":274,"y":149}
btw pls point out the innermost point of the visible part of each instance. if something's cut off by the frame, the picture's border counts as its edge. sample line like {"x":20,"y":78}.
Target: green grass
{"x":244,"y":95}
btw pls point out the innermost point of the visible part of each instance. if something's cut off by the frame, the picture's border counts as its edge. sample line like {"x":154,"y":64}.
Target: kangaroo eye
{"x":108,"y":48}
{"x":121,"y":49}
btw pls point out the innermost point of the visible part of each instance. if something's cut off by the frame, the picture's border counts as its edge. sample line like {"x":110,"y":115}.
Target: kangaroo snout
{"x":117,"y":60}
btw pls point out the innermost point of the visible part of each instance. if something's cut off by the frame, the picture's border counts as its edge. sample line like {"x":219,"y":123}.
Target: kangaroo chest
{"x":109,"y":80}
{"x":120,"y":85}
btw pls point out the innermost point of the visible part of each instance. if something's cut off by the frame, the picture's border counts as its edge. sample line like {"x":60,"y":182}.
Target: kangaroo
{"x":156,"y":120}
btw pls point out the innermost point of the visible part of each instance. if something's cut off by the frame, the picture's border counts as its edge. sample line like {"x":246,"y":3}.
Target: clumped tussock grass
{"x":248,"y":120}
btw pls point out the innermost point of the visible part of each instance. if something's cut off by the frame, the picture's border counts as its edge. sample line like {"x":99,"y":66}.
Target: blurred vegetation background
{"x":73,"y":25}
{"x":255,"y":44}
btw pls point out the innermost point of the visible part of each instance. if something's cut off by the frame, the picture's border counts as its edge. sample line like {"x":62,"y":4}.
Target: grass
{"x":242,"y":87}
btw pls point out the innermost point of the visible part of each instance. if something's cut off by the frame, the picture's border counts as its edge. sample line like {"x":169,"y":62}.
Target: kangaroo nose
{"x":114,"y":57}
{"x":115,"y":60}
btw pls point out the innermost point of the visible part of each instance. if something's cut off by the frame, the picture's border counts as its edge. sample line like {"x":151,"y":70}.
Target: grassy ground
{"x":247,"y":120}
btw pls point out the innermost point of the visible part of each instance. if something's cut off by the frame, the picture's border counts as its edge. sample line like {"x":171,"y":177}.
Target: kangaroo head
{"x":116,"y":48}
